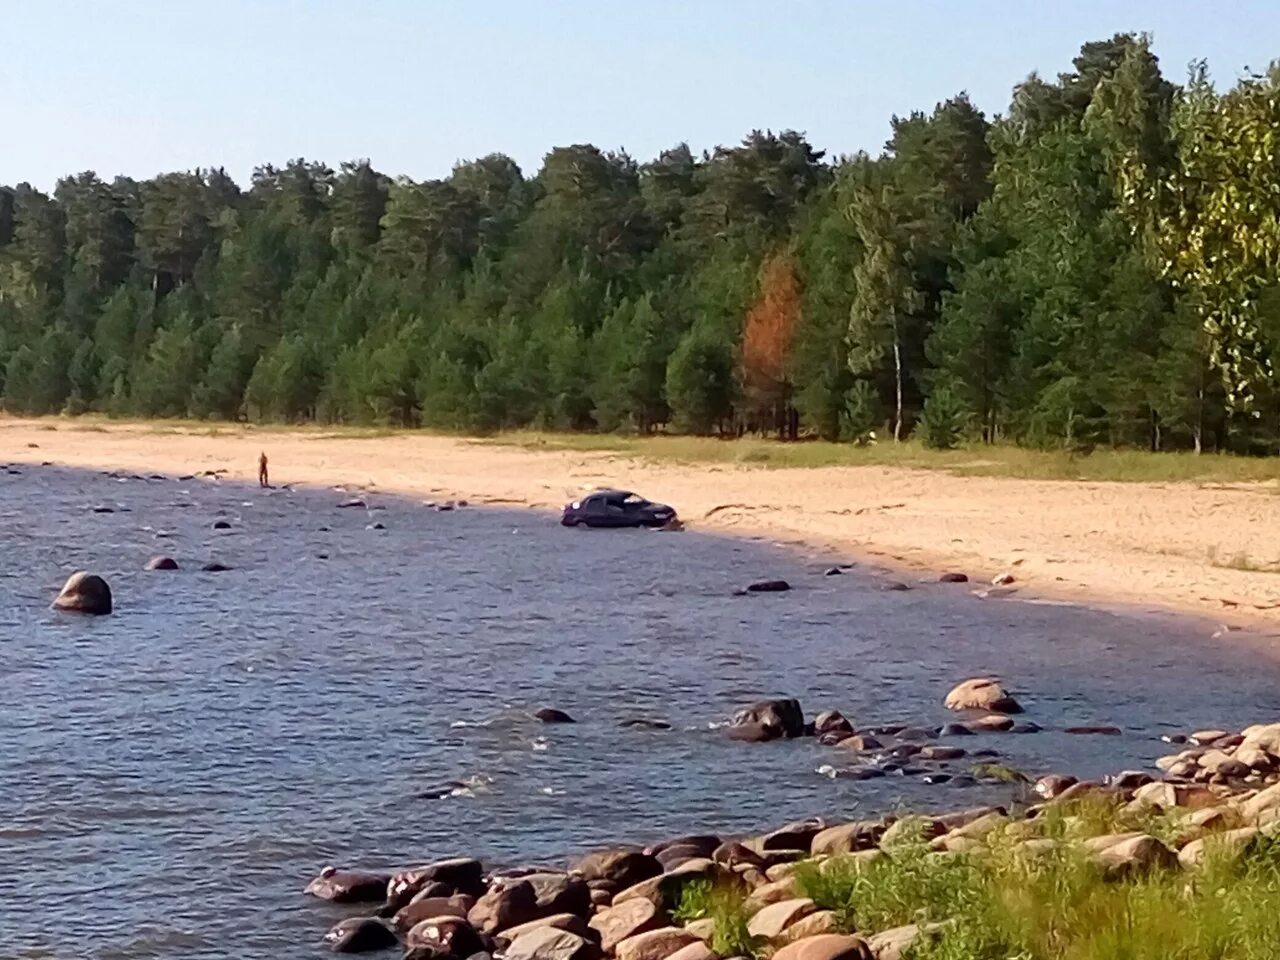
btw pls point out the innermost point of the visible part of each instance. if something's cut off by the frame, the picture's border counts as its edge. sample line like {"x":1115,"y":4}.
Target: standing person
{"x":262,"y":471}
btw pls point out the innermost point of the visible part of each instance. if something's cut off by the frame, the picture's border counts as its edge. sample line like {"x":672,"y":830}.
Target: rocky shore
{"x":793,"y":892}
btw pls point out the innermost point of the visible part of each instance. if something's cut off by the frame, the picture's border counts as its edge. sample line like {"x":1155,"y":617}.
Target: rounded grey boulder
{"x":84,"y":593}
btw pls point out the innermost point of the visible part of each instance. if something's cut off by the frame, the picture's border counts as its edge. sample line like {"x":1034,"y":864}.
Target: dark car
{"x":616,"y":508}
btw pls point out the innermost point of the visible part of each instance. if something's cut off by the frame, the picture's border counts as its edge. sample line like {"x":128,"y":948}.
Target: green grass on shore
{"x":1059,"y":904}
{"x":984,"y":461}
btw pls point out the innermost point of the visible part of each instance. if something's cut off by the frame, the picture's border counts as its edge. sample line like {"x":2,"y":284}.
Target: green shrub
{"x":725,"y":904}
{"x":942,"y":421}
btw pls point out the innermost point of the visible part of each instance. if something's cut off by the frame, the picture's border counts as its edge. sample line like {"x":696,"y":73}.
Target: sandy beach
{"x":1152,"y":546}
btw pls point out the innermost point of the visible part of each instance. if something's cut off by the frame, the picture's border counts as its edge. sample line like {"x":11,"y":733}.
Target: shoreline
{"x":1208,"y":820}
{"x":1135,"y":547}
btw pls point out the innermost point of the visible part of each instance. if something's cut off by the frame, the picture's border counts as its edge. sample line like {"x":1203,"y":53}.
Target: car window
{"x":595,"y":504}
{"x":634,"y":501}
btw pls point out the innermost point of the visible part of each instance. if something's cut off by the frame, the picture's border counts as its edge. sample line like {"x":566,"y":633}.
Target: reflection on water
{"x":174,"y":774}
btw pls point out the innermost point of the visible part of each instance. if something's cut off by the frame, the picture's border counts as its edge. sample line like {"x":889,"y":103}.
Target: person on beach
{"x":262,"y":471}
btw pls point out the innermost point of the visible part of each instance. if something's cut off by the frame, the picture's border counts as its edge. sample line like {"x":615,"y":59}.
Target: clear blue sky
{"x":147,"y":86}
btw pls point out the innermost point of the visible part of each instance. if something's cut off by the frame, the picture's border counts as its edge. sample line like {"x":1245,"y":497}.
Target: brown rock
{"x":731,"y":853}
{"x":460,"y":875}
{"x":940,"y":752}
{"x":1052,"y":785}
{"x":771,"y":893}
{"x":912,"y":828}
{"x":445,"y":936}
{"x":991,"y":723}
{"x":831,"y":721}
{"x":860,"y":741}
{"x":551,"y":943}
{"x":359,"y":935}
{"x":409,"y":916}
{"x":847,"y":837}
{"x":794,"y":836}
{"x":822,"y":921}
{"x":655,"y":944}
{"x":627,"y":919}
{"x":1136,"y":857}
{"x":84,"y":593}
{"x":781,"y":871}
{"x":1085,"y":789}
{"x":826,"y":946}
{"x":961,"y":818}
{"x":505,"y":905}
{"x":1097,"y":729}
{"x":703,"y":929}
{"x":695,"y":951}
{"x":165,"y":563}
{"x":623,"y":867}
{"x":1255,"y":757}
{"x":348,"y":886}
{"x":1204,"y":737}
{"x":1229,"y":845}
{"x":570,"y":922}
{"x":981,"y":693}
{"x":703,"y":843}
{"x":770,"y":719}
{"x":978,"y":829}
{"x":770,"y":921}
{"x":896,"y":943}
{"x":1261,"y":804}
{"x":560,"y":893}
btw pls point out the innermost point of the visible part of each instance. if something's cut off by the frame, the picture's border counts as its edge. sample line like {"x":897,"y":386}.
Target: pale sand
{"x":1149,"y":545}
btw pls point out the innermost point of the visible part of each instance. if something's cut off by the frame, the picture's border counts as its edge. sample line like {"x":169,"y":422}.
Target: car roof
{"x":612,"y":494}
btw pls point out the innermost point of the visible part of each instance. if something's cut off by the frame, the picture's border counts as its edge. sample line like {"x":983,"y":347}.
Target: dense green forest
{"x":1097,"y":265}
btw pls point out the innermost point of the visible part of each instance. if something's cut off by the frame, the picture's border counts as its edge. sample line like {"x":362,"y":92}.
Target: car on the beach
{"x":616,"y":508}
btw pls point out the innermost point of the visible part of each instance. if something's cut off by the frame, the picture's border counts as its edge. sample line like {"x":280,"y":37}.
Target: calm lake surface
{"x":172,"y":776}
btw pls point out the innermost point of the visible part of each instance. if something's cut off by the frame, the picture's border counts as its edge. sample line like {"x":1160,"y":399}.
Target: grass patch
{"x":726,"y":905}
{"x":988,"y":461}
{"x":1057,"y":905}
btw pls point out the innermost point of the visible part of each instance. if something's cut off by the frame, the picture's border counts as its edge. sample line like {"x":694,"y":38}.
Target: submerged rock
{"x":162,"y":563}
{"x":552,"y":715}
{"x":954,"y":578}
{"x":215,"y":567}
{"x":768,"y":586}
{"x":84,"y":593}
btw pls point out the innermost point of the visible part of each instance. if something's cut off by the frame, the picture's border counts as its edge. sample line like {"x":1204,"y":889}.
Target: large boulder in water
{"x":460,"y":875}
{"x":445,"y":937}
{"x":161,"y":563}
{"x":768,"y":720}
{"x":359,"y":935}
{"x":982,"y":693}
{"x":348,"y":886}
{"x":84,"y":593}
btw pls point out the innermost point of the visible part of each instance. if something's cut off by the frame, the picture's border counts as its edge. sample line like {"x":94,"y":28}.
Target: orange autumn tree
{"x":766,"y":349}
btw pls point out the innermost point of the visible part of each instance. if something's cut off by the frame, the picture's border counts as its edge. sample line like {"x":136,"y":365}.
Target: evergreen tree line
{"x":1097,"y":265}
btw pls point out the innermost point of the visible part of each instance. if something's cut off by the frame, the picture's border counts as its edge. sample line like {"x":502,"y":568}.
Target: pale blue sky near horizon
{"x":148,"y":86}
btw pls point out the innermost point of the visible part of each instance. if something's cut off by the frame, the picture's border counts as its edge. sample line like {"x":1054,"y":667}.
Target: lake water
{"x":172,"y":776}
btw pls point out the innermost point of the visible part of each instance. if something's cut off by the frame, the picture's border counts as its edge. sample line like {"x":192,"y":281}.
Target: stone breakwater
{"x":1219,"y":797}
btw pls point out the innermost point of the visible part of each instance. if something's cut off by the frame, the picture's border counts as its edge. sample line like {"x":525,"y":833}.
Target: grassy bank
{"x":1007,"y":899}
{"x":984,"y":461}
